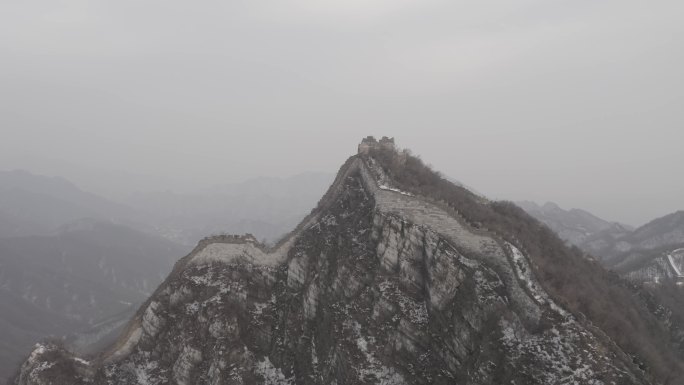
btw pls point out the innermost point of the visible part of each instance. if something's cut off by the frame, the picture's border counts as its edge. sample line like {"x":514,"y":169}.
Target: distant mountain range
{"x":83,"y":282}
{"x":35,"y":205}
{"x":575,"y":226}
{"x":651,"y":253}
{"x":265,"y":207}
{"x":70,"y":262}
{"x":639,"y":254}
{"x":396,"y":277}
{"x":77,"y":265}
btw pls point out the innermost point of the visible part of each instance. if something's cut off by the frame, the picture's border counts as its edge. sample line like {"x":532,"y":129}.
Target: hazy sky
{"x":577,"y":101}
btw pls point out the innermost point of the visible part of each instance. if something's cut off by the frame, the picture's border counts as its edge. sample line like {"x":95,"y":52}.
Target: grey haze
{"x":578,"y":101}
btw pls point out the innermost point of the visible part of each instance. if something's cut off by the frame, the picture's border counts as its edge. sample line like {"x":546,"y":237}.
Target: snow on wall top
{"x":228,"y":252}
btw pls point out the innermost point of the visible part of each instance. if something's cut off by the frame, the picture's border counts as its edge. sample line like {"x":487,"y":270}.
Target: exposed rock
{"x":375,"y":286}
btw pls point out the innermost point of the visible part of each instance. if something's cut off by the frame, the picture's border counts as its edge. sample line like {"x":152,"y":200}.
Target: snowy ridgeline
{"x":477,"y":297}
{"x":250,"y":252}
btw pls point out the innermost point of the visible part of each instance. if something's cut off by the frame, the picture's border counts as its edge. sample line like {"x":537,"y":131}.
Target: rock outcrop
{"x":376,"y":286}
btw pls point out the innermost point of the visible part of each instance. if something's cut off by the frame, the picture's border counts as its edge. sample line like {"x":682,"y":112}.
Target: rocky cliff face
{"x":375,"y":286}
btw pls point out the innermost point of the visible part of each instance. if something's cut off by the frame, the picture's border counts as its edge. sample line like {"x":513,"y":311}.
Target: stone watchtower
{"x":387,"y":143}
{"x":369,"y":142}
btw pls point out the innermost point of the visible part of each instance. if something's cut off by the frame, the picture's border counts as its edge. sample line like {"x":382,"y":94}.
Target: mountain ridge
{"x":575,"y":226}
{"x":415,"y":252}
{"x":76,"y":281}
{"x":640,"y":254}
{"x":50,"y":202}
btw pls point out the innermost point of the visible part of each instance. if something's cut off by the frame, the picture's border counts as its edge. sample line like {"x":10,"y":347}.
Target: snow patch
{"x":396,"y":190}
{"x":143,"y":374}
{"x":229,"y":252}
{"x":524,"y":273}
{"x":271,"y":374}
{"x":37,"y":351}
{"x":81,"y":361}
{"x":374,"y":368}
{"x":415,"y":311}
{"x":556,"y":351}
{"x":670,"y":259}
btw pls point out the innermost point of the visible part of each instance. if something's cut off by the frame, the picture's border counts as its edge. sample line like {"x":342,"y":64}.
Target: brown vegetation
{"x":578,"y":283}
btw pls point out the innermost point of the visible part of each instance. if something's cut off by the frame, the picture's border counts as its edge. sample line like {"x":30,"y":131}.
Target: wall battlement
{"x":229,"y":238}
{"x":370,"y":142}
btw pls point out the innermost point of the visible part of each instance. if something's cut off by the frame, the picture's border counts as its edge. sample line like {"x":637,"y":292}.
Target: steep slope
{"x":650,"y":257}
{"x":574,"y":226}
{"x":662,"y":231}
{"x":658,"y":280}
{"x":89,"y":278}
{"x":378,"y":284}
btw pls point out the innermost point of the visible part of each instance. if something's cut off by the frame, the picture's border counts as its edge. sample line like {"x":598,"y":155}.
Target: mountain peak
{"x":397,"y":277}
{"x":551,"y":206}
{"x":368,"y":143}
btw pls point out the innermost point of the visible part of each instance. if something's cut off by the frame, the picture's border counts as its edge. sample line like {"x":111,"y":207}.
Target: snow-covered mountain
{"x":396,"y":277}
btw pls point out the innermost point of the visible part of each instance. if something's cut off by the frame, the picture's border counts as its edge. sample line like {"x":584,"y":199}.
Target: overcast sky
{"x":578,"y":101}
